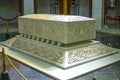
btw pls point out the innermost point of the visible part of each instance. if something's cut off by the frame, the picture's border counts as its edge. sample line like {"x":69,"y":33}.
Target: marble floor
{"x":111,"y":72}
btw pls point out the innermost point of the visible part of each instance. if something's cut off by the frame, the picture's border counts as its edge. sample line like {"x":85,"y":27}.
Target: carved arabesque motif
{"x":48,"y":53}
{"x":87,"y":52}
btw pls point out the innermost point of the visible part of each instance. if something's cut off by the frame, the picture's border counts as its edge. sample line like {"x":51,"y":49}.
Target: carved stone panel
{"x":60,"y":28}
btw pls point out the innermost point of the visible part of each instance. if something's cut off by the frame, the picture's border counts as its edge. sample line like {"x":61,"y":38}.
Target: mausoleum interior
{"x":59,"y":39}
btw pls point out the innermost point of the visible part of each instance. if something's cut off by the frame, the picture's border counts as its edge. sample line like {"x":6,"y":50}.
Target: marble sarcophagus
{"x":59,"y":28}
{"x":61,"y":40}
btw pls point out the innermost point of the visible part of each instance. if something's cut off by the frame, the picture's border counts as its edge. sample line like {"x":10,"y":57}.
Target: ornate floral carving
{"x":58,"y":55}
{"x":49,"y":53}
{"x":87,"y":52}
{"x":64,"y":29}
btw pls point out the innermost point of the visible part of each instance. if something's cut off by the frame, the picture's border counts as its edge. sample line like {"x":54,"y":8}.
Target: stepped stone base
{"x":61,"y":56}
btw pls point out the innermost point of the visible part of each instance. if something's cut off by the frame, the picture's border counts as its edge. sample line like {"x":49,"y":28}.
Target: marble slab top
{"x":55,"y":17}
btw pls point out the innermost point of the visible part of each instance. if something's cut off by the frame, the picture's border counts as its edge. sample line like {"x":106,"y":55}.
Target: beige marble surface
{"x":63,"y":57}
{"x":60,"y":28}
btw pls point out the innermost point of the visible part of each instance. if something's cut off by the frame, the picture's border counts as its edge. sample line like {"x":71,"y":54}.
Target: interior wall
{"x":9,"y":9}
{"x":83,"y":8}
{"x":44,"y":6}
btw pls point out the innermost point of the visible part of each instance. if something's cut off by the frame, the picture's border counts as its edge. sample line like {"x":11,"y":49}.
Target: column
{"x":97,"y":12}
{"x":65,"y":7}
{"x":90,"y":8}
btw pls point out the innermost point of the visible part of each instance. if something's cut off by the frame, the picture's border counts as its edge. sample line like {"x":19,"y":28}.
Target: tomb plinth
{"x":61,"y":40}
